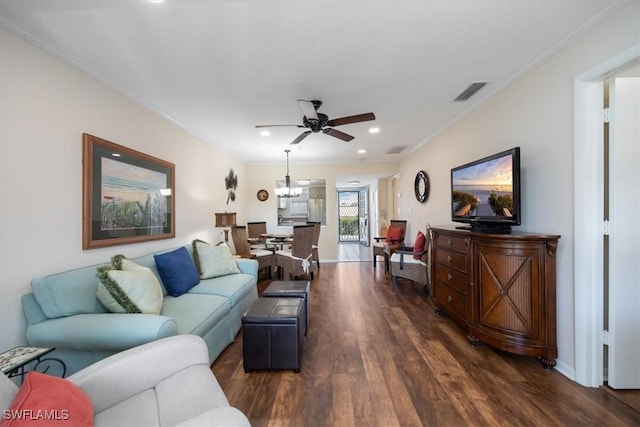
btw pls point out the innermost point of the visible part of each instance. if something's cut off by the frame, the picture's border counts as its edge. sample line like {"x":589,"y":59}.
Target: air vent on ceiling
{"x":470,"y":91}
{"x":396,"y":149}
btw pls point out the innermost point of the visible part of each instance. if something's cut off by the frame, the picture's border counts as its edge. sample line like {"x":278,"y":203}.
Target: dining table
{"x":277,"y":241}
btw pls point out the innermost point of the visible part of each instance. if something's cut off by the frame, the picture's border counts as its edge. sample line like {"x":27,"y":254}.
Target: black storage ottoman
{"x":272,"y":334}
{"x":291,"y":289}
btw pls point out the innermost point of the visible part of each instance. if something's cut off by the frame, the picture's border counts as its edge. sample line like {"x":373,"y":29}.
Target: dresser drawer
{"x":451,"y":242}
{"x":451,"y":259}
{"x":450,"y":299}
{"x":452,"y":278}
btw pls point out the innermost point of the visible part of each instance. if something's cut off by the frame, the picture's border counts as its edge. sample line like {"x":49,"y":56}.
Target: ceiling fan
{"x":318,"y":122}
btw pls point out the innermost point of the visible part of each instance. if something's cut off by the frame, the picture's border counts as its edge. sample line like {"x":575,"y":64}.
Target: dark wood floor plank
{"x":342,"y":413}
{"x":383,"y":410}
{"x":375,"y":358}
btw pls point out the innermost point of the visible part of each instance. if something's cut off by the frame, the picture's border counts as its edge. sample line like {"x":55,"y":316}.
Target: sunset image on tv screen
{"x":485,"y":189}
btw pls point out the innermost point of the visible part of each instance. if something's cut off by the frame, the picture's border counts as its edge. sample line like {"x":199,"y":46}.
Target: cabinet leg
{"x":548,"y":364}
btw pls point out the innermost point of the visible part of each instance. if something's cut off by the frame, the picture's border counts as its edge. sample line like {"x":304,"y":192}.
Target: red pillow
{"x":394,"y":234}
{"x":48,"y":400}
{"x":419,"y":244}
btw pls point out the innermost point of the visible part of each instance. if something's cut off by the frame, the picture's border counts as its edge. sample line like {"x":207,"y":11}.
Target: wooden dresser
{"x":501,"y":288}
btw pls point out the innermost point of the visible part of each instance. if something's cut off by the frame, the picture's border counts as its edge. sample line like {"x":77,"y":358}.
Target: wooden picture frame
{"x":127,"y":196}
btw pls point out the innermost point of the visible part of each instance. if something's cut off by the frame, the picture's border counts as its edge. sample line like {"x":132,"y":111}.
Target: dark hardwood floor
{"x":372,"y":358}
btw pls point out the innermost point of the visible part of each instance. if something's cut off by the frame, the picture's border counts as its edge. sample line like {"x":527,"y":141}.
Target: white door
{"x":624,"y":235}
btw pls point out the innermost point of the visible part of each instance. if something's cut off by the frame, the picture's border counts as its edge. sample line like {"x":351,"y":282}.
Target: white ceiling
{"x":217,"y":68}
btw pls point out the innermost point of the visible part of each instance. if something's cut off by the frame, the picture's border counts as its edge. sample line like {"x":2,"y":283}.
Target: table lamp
{"x":226,"y":220}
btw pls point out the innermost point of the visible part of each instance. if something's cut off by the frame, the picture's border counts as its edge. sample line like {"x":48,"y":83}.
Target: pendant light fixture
{"x":287,"y":190}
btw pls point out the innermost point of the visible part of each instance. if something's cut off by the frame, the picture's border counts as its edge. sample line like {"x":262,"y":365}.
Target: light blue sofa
{"x":62,"y":311}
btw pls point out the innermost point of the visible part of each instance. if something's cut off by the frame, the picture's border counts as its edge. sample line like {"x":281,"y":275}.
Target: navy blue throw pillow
{"x":177,"y":271}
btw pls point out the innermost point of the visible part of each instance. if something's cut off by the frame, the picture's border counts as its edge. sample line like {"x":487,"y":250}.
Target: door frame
{"x":588,"y":224}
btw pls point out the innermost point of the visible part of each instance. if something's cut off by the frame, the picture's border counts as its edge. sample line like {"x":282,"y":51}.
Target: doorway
{"x":622,"y":236}
{"x":348,"y":216}
{"x":593,"y":234}
{"x":353,"y":226}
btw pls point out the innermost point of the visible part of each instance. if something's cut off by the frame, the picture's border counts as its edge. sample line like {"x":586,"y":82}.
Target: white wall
{"x":535,"y":113}
{"x":45,"y":106}
{"x":265,"y":176}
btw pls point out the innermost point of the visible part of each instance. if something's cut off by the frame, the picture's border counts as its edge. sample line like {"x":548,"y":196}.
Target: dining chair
{"x":256,"y":230}
{"x":413,"y":262}
{"x":393,"y":239}
{"x":316,"y":238}
{"x":241,"y":244}
{"x":297,"y":260}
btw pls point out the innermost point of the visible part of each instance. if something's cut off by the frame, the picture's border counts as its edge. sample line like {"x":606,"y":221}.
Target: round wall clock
{"x":421,"y":186}
{"x":263,"y":195}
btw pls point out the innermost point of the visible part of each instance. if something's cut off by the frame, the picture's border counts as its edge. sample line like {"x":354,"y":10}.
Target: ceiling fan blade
{"x":352,"y":119}
{"x":273,"y":126}
{"x":308,"y":109}
{"x":337,"y":134}
{"x":300,"y":137}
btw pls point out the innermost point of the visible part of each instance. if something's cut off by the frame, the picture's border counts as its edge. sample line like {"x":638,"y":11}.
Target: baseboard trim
{"x":565,"y":370}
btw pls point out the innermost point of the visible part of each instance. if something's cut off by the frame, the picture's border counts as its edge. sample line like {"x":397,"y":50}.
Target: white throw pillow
{"x":213,"y":261}
{"x":134,"y":289}
{"x":130,"y":265}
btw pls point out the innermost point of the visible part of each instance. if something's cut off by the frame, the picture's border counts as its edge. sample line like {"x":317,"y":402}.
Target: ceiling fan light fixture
{"x":374,"y":130}
{"x":362,"y":151}
{"x":265,"y":133}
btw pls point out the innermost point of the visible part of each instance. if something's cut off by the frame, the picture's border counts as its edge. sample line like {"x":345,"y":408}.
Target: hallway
{"x":354,"y":252}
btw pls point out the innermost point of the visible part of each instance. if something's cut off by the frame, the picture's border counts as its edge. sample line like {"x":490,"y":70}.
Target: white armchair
{"x":163,"y":383}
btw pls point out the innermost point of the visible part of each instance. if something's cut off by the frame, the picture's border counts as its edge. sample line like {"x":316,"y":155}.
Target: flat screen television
{"x":485,"y":193}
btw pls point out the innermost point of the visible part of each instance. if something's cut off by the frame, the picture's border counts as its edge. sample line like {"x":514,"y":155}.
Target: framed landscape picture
{"x":128,"y":196}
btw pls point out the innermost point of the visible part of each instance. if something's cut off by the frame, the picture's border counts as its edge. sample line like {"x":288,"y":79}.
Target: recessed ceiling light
{"x":374,"y":130}
{"x":362,"y":151}
{"x":265,"y":133}
{"x":156,"y":1}
{"x":354,"y":182}
{"x":304,"y":181}
{"x":115,"y":154}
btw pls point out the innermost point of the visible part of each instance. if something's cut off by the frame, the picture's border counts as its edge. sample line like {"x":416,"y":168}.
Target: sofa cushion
{"x":42,"y":394}
{"x":198,"y":394}
{"x":68,"y":293}
{"x":177,"y":270}
{"x":406,"y":259}
{"x":196,"y":313}
{"x":139,"y":410}
{"x":126,"y":287}
{"x":234,"y":287}
{"x":213,"y":261}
